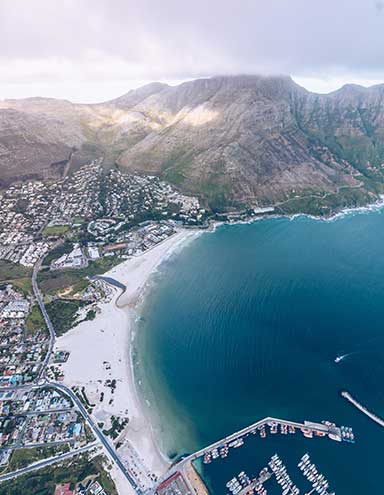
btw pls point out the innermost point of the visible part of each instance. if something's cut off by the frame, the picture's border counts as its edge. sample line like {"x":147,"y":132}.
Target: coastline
{"x":358,"y":210}
{"x":100,"y":350}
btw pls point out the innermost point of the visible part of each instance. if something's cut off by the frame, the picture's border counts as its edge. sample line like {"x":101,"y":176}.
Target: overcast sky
{"x":91,"y":50}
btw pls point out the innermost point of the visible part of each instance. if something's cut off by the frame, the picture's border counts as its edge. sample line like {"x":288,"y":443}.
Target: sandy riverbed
{"x":99,"y":351}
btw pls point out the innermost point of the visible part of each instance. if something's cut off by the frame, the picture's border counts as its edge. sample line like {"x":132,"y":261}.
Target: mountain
{"x":240,"y":140}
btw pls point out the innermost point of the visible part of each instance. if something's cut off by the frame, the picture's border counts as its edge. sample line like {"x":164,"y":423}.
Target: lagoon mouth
{"x":246,"y":322}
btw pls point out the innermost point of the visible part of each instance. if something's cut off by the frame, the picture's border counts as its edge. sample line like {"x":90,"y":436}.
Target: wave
{"x":358,"y":210}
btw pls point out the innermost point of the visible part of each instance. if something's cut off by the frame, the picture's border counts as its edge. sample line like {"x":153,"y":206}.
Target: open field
{"x":63,"y":314}
{"x":52,"y":282}
{"x":35,"y":320}
{"x":55,"y":230}
{"x":23,"y":457}
{"x":19,"y":276}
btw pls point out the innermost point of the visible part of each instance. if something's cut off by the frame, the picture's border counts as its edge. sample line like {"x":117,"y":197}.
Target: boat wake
{"x":340,"y":358}
{"x":361,"y":348}
{"x":343,"y":356}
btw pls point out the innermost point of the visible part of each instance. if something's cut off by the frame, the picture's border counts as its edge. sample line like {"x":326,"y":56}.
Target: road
{"x":46,"y":462}
{"x":52,"y":333}
{"x":14,"y":388}
{"x":43,"y":382}
{"x":38,"y":412}
{"x":97,"y":432}
{"x":36,"y":445}
{"x":94,"y":427}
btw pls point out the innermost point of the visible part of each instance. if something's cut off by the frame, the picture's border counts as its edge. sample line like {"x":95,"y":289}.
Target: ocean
{"x":246,"y":322}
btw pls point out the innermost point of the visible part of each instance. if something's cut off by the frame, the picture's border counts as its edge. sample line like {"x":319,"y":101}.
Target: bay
{"x":246,"y":322}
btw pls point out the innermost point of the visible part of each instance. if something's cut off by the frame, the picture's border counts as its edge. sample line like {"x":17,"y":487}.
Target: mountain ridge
{"x":232,"y":140}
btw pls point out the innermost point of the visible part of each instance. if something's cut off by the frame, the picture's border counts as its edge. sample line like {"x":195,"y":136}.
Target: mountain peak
{"x":135,"y":96}
{"x":248,"y":139}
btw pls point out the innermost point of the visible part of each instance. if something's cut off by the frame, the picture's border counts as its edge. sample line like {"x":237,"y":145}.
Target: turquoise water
{"x":246,"y":322}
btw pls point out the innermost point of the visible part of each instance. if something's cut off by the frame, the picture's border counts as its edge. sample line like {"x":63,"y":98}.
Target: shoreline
{"x":101,"y":350}
{"x":377,"y":205}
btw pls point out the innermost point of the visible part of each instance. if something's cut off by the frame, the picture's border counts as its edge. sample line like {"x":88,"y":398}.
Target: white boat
{"x":340,"y":358}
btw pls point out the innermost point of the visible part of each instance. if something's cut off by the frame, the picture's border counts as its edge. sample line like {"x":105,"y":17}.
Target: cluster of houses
{"x":132,"y":242}
{"x":111,"y":238}
{"x":34,"y":251}
{"x":24,"y":211}
{"x":35,"y":212}
{"x":28,"y":416}
{"x":55,"y":427}
{"x":75,"y":259}
{"x":21,"y":401}
{"x":27,"y":208}
{"x":138,"y":197}
{"x":36,"y":430}
{"x":36,"y":417}
{"x":96,"y":291}
{"x":26,"y":254}
{"x":21,"y":351}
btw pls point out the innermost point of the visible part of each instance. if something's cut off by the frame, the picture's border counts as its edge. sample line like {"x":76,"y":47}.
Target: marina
{"x":282,"y":477}
{"x":272,"y":357}
{"x":319,"y":483}
{"x":308,"y":429}
{"x":242,"y":484}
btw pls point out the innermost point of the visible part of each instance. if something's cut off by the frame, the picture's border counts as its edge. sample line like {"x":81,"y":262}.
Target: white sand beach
{"x":100,"y":351}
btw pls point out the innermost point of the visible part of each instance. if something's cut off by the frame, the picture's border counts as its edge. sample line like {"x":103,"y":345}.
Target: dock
{"x":308,"y":427}
{"x":182,"y":468}
{"x":363,"y":409}
{"x":263,"y":477}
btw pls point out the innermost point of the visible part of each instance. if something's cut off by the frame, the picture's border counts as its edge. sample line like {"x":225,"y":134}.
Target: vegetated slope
{"x":241,"y":140}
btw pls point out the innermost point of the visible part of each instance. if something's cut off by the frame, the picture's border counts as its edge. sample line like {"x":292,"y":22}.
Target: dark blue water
{"x":246,"y":322}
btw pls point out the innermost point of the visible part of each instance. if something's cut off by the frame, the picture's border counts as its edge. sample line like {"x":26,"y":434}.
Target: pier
{"x":363,"y":409}
{"x":307,"y":427}
{"x":265,"y":476}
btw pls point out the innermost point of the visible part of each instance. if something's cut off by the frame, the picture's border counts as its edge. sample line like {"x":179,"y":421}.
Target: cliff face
{"x":232,"y":140}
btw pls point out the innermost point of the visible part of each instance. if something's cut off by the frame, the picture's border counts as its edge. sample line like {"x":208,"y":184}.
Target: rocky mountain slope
{"x":242,"y":140}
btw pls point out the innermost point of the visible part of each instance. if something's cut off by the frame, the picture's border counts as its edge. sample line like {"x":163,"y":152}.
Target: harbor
{"x":243,"y":484}
{"x":281,"y":364}
{"x":319,"y":482}
{"x":308,"y":429}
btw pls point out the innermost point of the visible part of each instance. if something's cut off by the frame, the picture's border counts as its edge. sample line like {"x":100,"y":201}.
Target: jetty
{"x":178,"y":473}
{"x":308,"y":428}
{"x":363,"y":409}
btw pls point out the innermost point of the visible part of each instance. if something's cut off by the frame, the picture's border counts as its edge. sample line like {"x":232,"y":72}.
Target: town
{"x":59,"y":234}
{"x":56,"y":238}
{"x":34,"y":214}
{"x":87,"y":222}
{"x":35,"y":421}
